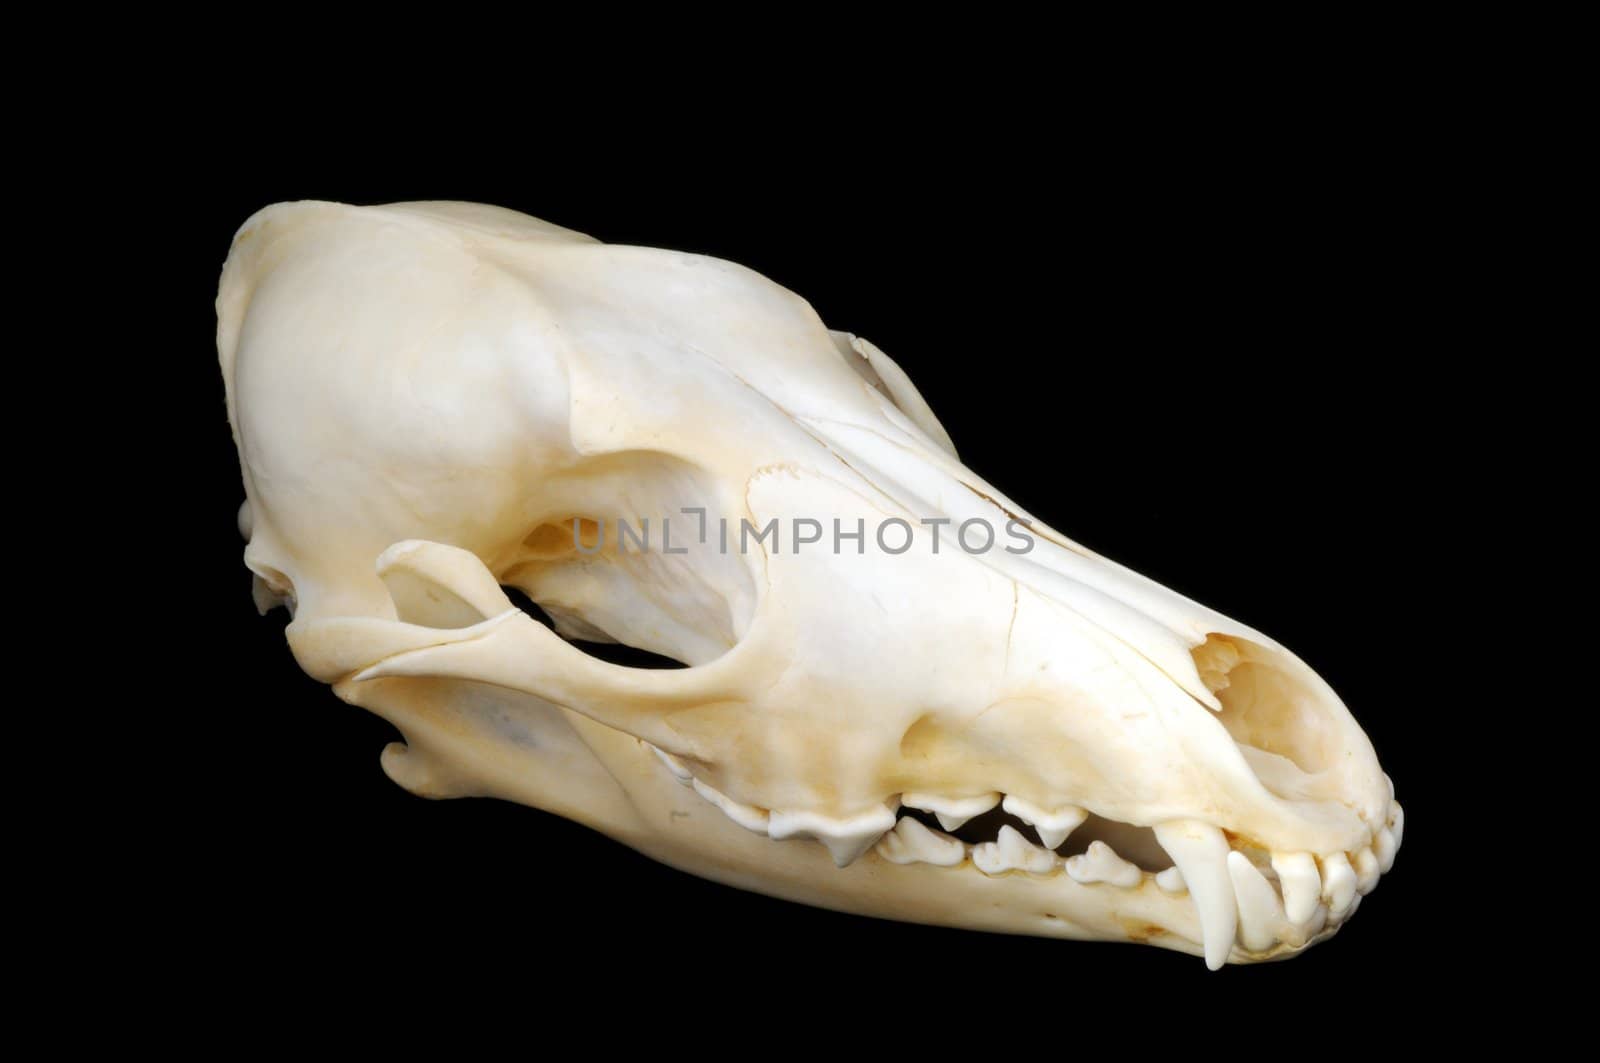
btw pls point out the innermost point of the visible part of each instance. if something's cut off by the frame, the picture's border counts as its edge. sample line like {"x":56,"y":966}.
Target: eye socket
{"x":611,"y":652}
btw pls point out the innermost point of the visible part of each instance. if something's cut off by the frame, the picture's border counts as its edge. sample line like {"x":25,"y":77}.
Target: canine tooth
{"x":1338,"y":884}
{"x":679,"y":769}
{"x":1100,"y":863}
{"x":747,"y":816}
{"x":1053,"y":826}
{"x":1201,"y":854}
{"x":912,"y":843}
{"x":1171,"y":881}
{"x":1012,"y":852}
{"x":1397,"y":822}
{"x":1366,"y":871}
{"x":952,"y":812}
{"x":1260,"y":914}
{"x":847,"y":839}
{"x":1384,"y":847}
{"x":1302,"y":885}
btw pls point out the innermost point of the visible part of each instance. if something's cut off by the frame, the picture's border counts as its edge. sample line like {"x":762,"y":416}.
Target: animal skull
{"x":434,"y":401}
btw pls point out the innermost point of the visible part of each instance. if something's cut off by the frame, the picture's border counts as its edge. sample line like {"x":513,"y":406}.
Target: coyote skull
{"x":901,"y":696}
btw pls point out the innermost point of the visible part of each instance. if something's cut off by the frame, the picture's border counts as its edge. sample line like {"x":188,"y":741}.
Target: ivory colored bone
{"x":435,"y":401}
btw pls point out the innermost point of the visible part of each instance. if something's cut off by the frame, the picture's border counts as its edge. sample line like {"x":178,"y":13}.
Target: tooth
{"x":952,"y":812}
{"x":1338,"y":884}
{"x":1053,"y":826}
{"x":1385,"y":847}
{"x":1260,"y":914}
{"x":747,"y":816}
{"x":847,"y":839}
{"x":1297,"y":935}
{"x":679,"y":769}
{"x":1100,"y":863}
{"x":1012,"y":852}
{"x":1366,"y":871}
{"x":1201,"y":854}
{"x":912,"y":843}
{"x":1397,"y":822}
{"x":1302,"y":886}
{"x":1171,"y":881}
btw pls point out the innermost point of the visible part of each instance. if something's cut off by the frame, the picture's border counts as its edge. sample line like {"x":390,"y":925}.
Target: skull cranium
{"x":436,"y":401}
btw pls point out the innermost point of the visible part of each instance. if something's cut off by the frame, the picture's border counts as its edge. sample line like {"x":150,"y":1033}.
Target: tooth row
{"x":1235,"y":900}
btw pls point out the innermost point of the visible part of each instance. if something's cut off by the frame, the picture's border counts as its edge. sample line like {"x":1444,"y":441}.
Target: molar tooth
{"x":1384,"y":846}
{"x":952,"y":812}
{"x":1201,"y":854}
{"x":1260,"y":914}
{"x":1171,"y":881}
{"x":1397,"y":822}
{"x":1100,"y":863}
{"x":1302,"y":885}
{"x":1338,"y":884}
{"x":1053,"y":826}
{"x":1366,"y":871}
{"x":747,"y":816}
{"x":847,"y":839}
{"x":679,"y":769}
{"x":912,"y":843}
{"x":1012,"y":852}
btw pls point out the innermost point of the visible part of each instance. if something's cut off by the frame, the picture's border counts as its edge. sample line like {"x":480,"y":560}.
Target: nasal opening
{"x":1280,"y":717}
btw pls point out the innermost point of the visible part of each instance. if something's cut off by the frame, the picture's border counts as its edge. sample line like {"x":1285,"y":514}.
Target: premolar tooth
{"x":1384,"y":846}
{"x":1302,"y":885}
{"x":747,"y":816}
{"x":1171,"y":881}
{"x":1201,"y":854}
{"x":1053,"y":826}
{"x":679,"y":769}
{"x":1100,"y":863}
{"x":952,"y":812}
{"x":847,"y":839}
{"x":1338,"y":884}
{"x":1260,"y":914}
{"x":1012,"y":852}
{"x":912,"y":843}
{"x":1367,"y":871}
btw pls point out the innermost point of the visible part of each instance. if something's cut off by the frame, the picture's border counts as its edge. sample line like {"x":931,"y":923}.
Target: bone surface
{"x":434,"y":402}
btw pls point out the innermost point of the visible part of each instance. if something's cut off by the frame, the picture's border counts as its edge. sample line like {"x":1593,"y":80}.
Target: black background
{"x":1209,"y":353}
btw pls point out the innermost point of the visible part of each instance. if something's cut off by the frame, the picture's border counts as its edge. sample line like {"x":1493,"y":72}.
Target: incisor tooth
{"x":1012,"y":852}
{"x":1366,"y":871}
{"x":1201,"y":854}
{"x":679,"y":769}
{"x":1338,"y":884}
{"x":1053,"y":826}
{"x":1385,"y":847}
{"x":1100,"y":863}
{"x":912,"y":843}
{"x":952,"y":812}
{"x":1302,"y":885}
{"x":1171,"y":881}
{"x":845,"y":838}
{"x":747,"y":816}
{"x":1260,"y":915}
